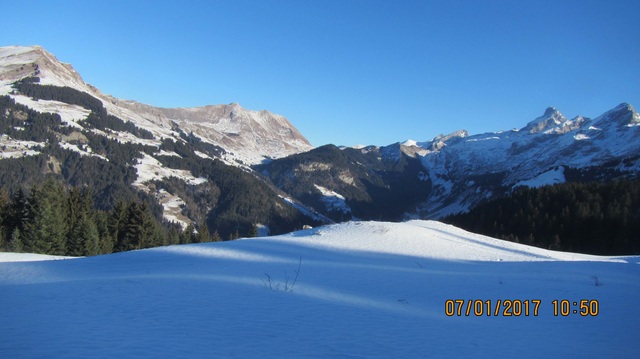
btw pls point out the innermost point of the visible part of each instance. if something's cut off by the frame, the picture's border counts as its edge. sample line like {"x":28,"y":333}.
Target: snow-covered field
{"x":354,"y":290}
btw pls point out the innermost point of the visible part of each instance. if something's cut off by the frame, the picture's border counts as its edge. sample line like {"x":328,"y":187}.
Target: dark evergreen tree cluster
{"x":22,"y":123}
{"x":596,"y":218}
{"x":30,"y":87}
{"x":110,"y":179}
{"x":98,"y":118}
{"x":102,"y":121}
{"x":51,"y":219}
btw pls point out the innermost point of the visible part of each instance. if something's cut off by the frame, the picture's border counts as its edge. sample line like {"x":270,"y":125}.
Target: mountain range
{"x":236,"y":168}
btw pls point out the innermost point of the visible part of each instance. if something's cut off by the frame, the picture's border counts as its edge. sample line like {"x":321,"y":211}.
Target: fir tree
{"x":253,"y":232}
{"x":106,"y":238}
{"x":215,"y":237}
{"x":84,"y":238}
{"x":18,"y":213}
{"x":42,"y":231}
{"x":15,"y":243}
{"x":203,"y":235}
{"x":187,"y":234}
{"x":133,"y":233}
{"x":4,"y":213}
{"x":116,"y":225}
{"x":91,"y":238}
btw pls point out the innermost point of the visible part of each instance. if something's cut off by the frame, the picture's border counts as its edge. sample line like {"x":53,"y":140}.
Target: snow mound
{"x":360,"y":289}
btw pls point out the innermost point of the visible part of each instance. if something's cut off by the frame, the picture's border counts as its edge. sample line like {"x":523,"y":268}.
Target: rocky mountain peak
{"x":551,"y":118}
{"x":623,"y":115}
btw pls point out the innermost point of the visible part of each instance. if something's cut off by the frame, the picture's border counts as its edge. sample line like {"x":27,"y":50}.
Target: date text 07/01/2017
{"x":517,"y":307}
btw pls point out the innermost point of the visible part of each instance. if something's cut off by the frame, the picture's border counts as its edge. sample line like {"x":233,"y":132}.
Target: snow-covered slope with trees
{"x":248,"y":137}
{"x":458,"y":164}
{"x":49,"y":97}
{"x":358,"y":289}
{"x":459,"y":171}
{"x":170,"y":156}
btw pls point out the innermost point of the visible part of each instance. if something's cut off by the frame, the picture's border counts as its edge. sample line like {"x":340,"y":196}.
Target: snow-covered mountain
{"x":459,"y":171}
{"x":248,"y":137}
{"x":411,"y":179}
{"x":357,"y":290}
{"x":534,"y":155}
{"x":170,"y":156}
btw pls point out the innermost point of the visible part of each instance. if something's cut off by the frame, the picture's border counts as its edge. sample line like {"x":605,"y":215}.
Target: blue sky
{"x":352,"y":71}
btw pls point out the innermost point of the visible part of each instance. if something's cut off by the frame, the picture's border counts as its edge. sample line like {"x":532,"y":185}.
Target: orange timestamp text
{"x":518,"y":307}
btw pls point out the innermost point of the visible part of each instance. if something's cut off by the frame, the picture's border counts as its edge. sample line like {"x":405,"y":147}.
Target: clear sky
{"x":350,"y":72}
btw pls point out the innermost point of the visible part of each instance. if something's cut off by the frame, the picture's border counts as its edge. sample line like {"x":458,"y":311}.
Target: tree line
{"x":595,"y":217}
{"x":53,"y":219}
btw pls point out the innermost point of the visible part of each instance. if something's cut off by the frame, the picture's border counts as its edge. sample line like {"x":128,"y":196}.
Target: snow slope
{"x":362,"y":290}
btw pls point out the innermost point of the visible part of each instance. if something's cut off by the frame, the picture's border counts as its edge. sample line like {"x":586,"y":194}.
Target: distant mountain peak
{"x":458,"y":133}
{"x":622,"y":115}
{"x":550,"y":111}
{"x":551,"y":118}
{"x":441,"y":140}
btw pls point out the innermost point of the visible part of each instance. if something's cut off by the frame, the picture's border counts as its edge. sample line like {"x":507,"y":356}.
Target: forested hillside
{"x":53,"y":220}
{"x":598,"y":218}
{"x":373,"y":187}
{"x":95,"y":158}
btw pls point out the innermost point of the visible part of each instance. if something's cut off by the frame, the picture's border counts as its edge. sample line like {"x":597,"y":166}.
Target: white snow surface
{"x":550,"y":177}
{"x":149,"y":169}
{"x":333,"y":201}
{"x":172,"y":208}
{"x":28,"y":257}
{"x":362,"y":290}
{"x":12,"y":148}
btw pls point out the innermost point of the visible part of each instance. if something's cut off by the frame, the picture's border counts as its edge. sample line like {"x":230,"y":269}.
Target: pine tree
{"x":91,"y":238}
{"x":15,"y":243}
{"x":132,"y":234}
{"x":187,"y":234}
{"x":55,"y":198}
{"x":173,"y":237}
{"x":140,"y":229}
{"x":203,"y":235}
{"x":253,"y":232}
{"x":4,"y":213}
{"x":84,"y":238}
{"x":116,"y":224}
{"x":37,"y":233}
{"x":106,"y":238}
{"x":4,"y":243}
{"x":80,"y":213}
{"x":216,"y":236}
{"x":18,"y":213}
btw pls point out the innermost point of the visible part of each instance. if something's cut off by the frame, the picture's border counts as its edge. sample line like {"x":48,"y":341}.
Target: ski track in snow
{"x":364,"y":289}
